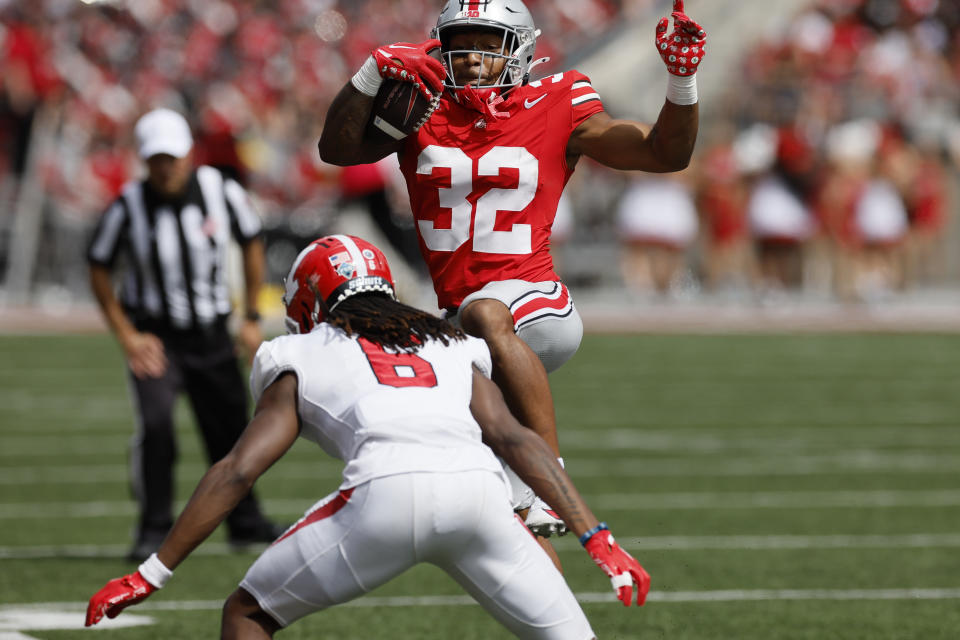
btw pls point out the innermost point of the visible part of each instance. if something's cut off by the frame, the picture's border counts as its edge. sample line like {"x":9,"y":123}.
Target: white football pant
{"x":353,"y":541}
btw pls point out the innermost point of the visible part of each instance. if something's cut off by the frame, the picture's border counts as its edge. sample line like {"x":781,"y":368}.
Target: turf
{"x":775,"y":486}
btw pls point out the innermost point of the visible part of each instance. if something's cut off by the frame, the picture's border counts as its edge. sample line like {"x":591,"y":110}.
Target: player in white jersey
{"x":405,"y":399}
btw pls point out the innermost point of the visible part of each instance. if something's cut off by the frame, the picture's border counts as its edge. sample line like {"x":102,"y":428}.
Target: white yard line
{"x":774,"y":542}
{"x":568,"y":544}
{"x":824,"y":499}
{"x":847,"y":462}
{"x":789,"y":439}
{"x":727,"y":595}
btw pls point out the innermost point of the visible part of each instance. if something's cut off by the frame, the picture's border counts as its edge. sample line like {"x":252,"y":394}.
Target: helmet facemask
{"x":508,"y":19}
{"x":515,"y":49}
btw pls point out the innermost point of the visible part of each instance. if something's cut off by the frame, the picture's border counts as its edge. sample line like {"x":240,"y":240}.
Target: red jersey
{"x":484,"y":191}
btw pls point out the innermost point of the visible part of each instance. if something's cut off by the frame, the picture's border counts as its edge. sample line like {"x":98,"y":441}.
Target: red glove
{"x":117,"y":595}
{"x":683,"y":49}
{"x":619,"y":565}
{"x":411,"y":63}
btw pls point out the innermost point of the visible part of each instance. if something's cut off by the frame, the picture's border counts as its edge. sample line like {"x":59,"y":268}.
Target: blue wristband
{"x":589,"y":534}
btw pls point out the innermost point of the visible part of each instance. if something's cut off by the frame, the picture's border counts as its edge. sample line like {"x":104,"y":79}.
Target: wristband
{"x":155,"y":572}
{"x":589,"y":534}
{"x":367,"y":80}
{"x":682,"y":90}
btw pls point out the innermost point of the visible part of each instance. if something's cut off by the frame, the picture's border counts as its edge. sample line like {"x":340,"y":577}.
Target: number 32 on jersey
{"x":485,"y":238}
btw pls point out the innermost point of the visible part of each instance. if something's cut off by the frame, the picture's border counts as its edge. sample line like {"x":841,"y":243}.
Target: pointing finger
{"x":678,"y":5}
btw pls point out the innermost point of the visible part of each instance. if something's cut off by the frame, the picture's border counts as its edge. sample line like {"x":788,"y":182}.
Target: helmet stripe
{"x":355,"y":256}
{"x":290,"y":283}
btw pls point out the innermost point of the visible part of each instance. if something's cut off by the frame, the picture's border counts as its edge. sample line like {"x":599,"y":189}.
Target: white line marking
{"x":735,"y":595}
{"x":103,"y":551}
{"x":686,"y":438}
{"x":728,"y":595}
{"x":568,"y":544}
{"x":785,"y":438}
{"x":825,"y":499}
{"x":760,"y":543}
{"x":16,"y":618}
{"x":847,"y":462}
{"x":15,"y":635}
{"x":843,"y":463}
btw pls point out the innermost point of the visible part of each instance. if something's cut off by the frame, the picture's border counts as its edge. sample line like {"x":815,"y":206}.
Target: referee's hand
{"x":145,"y":355}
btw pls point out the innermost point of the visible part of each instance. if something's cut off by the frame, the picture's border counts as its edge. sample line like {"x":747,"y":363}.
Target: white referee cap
{"x":163,"y":131}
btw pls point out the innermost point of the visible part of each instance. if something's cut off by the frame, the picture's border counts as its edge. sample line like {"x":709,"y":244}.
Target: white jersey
{"x":382,"y":412}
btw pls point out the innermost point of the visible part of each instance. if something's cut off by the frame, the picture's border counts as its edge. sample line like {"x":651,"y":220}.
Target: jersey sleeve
{"x":480,"y":355}
{"x":107,"y":238}
{"x":267,"y":366}
{"x":584,"y":99}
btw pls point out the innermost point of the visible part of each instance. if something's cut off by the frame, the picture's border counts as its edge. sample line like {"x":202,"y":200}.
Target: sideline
{"x":611,"y":310}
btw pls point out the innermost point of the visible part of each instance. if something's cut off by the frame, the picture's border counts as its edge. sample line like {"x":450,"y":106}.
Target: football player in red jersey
{"x":486,"y":171}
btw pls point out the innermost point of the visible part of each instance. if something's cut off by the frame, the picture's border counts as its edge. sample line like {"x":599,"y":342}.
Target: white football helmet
{"x":509,"y":17}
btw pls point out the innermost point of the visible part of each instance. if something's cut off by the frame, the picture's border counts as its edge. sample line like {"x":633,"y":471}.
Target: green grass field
{"x":795,"y":487}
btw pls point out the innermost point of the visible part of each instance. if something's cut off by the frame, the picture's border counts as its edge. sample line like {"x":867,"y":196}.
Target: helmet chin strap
{"x":483,"y":100}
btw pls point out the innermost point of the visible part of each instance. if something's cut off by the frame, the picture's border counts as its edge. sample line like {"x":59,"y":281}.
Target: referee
{"x":173,"y":230}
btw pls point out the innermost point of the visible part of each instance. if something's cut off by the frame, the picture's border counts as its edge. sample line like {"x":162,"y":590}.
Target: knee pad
{"x":554,"y":340}
{"x":543,"y":316}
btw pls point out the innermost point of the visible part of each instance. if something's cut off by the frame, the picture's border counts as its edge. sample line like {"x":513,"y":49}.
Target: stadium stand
{"x":831,"y":105}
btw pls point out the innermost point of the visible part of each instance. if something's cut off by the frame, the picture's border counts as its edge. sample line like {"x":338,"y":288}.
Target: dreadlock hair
{"x":389,"y":323}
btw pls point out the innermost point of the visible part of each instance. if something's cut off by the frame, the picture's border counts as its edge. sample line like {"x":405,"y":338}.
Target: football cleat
{"x":544,"y":521}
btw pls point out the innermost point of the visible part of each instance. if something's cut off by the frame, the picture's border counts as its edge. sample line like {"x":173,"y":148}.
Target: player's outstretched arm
{"x":668,"y":145}
{"x":271,"y":432}
{"x":342,"y":140}
{"x":534,"y":461}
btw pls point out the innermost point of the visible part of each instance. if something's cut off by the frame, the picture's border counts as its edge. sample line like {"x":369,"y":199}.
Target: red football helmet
{"x":332,"y":269}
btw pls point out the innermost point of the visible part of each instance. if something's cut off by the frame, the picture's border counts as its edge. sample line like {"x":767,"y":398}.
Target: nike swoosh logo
{"x":529,"y":103}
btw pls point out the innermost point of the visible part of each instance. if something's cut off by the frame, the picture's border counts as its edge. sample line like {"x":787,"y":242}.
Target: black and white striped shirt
{"x":176,"y":252}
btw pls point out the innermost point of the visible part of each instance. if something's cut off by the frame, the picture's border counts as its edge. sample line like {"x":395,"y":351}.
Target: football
{"x":399,"y":109}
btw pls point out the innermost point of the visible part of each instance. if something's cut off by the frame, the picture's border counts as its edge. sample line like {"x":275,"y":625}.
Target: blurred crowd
{"x":829,"y":168}
{"x":254,"y":77}
{"x":827,"y":164}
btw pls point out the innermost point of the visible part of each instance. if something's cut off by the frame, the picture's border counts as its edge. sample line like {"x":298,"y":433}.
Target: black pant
{"x":203,"y":364}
